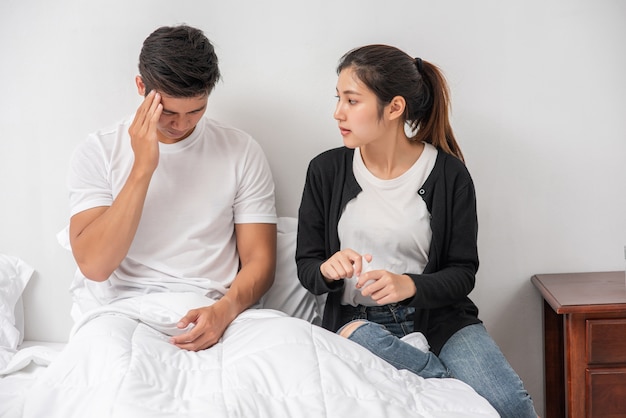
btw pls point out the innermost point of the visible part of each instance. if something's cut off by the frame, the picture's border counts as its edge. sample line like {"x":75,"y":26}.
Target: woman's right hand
{"x":343,"y":264}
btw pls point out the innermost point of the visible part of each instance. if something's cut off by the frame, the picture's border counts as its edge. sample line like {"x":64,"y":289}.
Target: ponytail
{"x":434,"y":127}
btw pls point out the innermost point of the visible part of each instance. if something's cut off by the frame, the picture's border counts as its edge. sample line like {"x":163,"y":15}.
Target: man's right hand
{"x":101,"y":236}
{"x":143,"y":133}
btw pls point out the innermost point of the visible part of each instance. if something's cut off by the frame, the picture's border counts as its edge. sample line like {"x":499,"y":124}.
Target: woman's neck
{"x":392,"y":156}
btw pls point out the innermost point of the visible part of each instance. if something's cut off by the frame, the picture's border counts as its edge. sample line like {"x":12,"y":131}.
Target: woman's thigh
{"x":398,"y":319}
{"x":471,"y":355}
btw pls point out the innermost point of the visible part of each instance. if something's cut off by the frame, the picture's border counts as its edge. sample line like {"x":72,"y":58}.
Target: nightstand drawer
{"x":606,"y":392}
{"x":584,"y":335}
{"x":606,"y":341}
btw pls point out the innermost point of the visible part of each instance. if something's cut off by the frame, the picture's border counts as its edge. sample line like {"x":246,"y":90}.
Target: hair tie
{"x":419,"y":64}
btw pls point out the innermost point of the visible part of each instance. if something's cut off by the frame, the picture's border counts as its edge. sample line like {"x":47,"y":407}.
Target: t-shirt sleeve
{"x":254,"y":202}
{"x":88,"y":181}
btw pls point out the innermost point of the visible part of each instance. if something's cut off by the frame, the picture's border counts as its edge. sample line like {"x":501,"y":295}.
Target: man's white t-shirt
{"x":202,"y":186}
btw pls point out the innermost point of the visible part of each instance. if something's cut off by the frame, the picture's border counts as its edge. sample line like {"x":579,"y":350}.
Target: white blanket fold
{"x":119,"y":363}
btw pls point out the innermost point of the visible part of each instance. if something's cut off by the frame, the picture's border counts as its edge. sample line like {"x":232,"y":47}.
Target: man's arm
{"x":101,"y":236}
{"x":256,"y":245}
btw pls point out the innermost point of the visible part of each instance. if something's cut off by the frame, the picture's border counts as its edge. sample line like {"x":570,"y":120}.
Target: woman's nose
{"x":338,"y":114}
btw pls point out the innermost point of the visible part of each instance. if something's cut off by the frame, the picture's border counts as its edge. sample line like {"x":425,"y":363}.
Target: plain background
{"x":539,"y":107}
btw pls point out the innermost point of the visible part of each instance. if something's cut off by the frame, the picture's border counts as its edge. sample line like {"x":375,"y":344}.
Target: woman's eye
{"x":350,"y":101}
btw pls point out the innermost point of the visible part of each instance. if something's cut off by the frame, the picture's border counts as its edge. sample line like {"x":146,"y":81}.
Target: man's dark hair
{"x":178,"y":61}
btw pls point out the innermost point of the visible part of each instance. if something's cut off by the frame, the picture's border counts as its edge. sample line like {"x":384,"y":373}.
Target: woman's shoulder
{"x":451,"y":171}
{"x":334,"y":153}
{"x":450,"y":164}
{"x":333,"y":157}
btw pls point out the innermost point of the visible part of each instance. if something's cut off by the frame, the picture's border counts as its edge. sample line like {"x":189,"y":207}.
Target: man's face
{"x":180,"y":116}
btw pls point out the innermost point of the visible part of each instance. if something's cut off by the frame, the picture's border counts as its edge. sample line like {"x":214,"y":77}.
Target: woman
{"x":388,"y":228}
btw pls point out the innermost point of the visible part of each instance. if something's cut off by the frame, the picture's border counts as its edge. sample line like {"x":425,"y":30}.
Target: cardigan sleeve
{"x":312,"y":247}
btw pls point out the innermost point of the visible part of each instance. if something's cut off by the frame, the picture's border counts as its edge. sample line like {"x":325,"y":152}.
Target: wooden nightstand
{"x":585,"y":344}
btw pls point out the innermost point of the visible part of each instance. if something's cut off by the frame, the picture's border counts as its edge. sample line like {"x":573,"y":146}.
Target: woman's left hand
{"x":386,"y":287}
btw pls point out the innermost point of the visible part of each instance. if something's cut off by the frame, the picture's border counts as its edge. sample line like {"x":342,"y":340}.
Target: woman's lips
{"x":344,"y":131}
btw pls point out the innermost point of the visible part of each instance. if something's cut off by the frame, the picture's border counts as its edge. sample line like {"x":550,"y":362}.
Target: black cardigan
{"x":441,"y":301}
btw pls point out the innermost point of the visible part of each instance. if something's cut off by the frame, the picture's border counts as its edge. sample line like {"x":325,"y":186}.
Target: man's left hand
{"x":210,"y":322}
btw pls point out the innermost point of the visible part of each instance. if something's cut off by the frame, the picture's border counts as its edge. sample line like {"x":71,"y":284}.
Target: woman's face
{"x":357,"y":111}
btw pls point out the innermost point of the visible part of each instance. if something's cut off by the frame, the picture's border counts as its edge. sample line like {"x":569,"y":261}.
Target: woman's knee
{"x":347,"y":330}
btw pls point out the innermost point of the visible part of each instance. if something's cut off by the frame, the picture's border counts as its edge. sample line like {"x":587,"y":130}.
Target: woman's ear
{"x":395,"y":108}
{"x":141,"y":87}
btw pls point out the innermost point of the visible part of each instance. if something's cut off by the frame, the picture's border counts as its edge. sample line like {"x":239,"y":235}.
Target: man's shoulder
{"x":103,"y":140}
{"x":121,"y":125}
{"x":109,"y":134}
{"x":212,"y":127}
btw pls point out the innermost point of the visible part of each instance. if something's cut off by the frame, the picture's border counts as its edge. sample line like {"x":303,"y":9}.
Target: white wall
{"x":538,"y":106}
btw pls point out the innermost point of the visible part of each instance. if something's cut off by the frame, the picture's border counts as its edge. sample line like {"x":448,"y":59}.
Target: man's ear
{"x":141,"y":87}
{"x":395,"y":108}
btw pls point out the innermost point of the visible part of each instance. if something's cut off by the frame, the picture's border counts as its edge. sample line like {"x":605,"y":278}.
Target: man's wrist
{"x":229,"y":308}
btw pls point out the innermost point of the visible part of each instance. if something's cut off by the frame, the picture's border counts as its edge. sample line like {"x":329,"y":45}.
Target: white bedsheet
{"x":20,"y":373}
{"x":119,"y":363}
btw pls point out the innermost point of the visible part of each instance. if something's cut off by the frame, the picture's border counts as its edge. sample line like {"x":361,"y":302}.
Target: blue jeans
{"x":470,"y":355}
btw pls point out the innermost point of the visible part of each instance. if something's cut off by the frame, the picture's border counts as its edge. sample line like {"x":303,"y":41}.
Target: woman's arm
{"x":312,"y":246}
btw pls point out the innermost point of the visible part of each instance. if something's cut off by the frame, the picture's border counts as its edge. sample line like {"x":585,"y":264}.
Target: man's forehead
{"x":183,"y":104}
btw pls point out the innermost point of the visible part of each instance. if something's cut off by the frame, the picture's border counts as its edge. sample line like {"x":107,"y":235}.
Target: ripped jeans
{"x":470,"y":355}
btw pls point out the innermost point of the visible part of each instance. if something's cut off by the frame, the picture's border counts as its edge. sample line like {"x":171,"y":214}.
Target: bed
{"x":273,"y":361}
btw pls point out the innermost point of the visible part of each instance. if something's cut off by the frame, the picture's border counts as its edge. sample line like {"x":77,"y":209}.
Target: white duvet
{"x":119,"y":363}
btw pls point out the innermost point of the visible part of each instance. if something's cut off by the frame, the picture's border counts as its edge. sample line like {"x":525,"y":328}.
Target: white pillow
{"x":287,"y":294}
{"x":14,"y":275}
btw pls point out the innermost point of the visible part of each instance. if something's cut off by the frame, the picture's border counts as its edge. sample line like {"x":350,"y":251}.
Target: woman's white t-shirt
{"x":388,"y":220}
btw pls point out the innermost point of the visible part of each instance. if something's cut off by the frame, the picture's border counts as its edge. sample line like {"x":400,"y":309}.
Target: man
{"x":174,"y":201}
